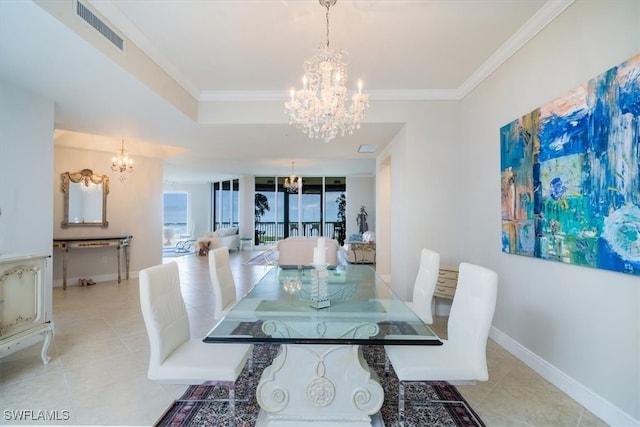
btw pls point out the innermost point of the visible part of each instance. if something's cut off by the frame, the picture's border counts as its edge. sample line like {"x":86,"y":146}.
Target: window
{"x":175,"y":213}
{"x":225,"y":204}
{"x":313,"y":213}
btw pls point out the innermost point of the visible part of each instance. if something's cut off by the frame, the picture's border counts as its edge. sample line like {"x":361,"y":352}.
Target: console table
{"x":118,"y":242}
{"x":360,"y":253}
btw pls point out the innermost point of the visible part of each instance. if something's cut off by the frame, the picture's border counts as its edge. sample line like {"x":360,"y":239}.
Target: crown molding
{"x":284,"y":95}
{"x":243,"y":95}
{"x":533,"y":26}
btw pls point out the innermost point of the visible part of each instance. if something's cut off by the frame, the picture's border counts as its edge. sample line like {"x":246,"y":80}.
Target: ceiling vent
{"x":91,"y":19}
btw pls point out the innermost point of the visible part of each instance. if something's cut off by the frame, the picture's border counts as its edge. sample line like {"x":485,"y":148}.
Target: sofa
{"x":299,"y":251}
{"x":228,"y":237}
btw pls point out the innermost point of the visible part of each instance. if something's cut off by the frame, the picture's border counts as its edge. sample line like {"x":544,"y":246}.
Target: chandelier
{"x":293,"y":183}
{"x":121,"y":162}
{"x":319,"y":109}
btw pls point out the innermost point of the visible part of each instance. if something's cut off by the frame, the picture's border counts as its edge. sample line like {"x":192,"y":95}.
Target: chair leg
{"x":401,"y":414}
{"x":232,"y":399}
{"x":250,"y":365}
{"x":387,"y":364}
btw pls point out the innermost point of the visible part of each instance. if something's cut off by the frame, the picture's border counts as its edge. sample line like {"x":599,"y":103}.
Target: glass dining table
{"x":321,"y":317}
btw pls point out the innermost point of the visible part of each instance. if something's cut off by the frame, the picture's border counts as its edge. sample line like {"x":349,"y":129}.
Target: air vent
{"x":91,"y":19}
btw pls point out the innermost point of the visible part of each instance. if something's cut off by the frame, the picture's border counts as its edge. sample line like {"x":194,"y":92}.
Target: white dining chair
{"x":175,"y":357}
{"x":224,"y":285}
{"x":425,"y":284}
{"x":461,"y":359}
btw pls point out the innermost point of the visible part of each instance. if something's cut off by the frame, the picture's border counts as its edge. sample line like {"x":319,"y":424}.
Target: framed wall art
{"x":570,"y":175}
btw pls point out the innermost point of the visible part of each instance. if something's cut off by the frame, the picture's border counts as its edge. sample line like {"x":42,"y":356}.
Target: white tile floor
{"x":97,"y":373}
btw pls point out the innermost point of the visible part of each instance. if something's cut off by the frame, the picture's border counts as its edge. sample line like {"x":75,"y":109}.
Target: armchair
{"x":299,"y":251}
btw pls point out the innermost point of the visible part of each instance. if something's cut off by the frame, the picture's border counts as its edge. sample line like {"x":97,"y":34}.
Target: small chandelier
{"x":319,"y":108}
{"x":121,"y":162}
{"x":293,"y":183}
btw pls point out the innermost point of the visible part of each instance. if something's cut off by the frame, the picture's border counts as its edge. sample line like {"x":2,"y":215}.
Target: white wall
{"x":360,"y":192}
{"x":26,"y":150}
{"x":583,"y":322}
{"x":246,"y":206}
{"x":134,"y":207}
{"x":577,"y":326}
{"x":425,"y":177}
{"x":383,"y":214}
{"x":26,"y":202}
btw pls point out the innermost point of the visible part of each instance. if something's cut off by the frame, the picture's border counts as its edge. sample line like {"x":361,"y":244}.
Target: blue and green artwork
{"x":570,"y":173}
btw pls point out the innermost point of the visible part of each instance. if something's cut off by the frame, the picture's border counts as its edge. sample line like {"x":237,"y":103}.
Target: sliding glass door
{"x":225,"y":204}
{"x":314,"y":212}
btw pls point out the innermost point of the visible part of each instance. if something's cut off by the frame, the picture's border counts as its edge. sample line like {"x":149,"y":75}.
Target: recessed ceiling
{"x":245,"y":52}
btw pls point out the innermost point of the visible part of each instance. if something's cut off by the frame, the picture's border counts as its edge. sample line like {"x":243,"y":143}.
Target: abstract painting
{"x":570,"y":175}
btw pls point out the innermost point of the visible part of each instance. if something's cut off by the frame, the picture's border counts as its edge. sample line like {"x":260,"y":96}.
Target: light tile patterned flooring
{"x":97,"y":373}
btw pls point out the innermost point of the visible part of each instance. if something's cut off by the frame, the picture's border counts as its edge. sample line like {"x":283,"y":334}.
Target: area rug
{"x":172,"y":253}
{"x":268,"y":257}
{"x":196,"y":407}
{"x":183,"y":247}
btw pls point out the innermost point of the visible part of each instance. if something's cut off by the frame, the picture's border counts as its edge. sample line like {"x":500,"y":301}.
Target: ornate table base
{"x":319,"y":385}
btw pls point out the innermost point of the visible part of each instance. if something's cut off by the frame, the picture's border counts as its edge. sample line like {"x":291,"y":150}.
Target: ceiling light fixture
{"x":293,"y":183}
{"x":319,"y":108}
{"x":367,"y":148}
{"x":121,"y":162}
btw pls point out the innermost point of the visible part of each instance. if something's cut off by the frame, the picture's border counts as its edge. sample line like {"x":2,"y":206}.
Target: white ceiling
{"x":243,"y":51}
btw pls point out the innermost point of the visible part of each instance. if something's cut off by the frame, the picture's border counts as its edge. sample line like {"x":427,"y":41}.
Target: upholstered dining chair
{"x":462,"y":357}
{"x":175,"y":357}
{"x":224,"y":286}
{"x":425,"y":284}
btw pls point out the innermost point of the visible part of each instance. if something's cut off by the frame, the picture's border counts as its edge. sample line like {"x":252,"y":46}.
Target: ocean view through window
{"x":313,"y":211}
{"x":175,"y":212}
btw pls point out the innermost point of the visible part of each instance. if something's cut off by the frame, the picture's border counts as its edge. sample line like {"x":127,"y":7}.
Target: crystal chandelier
{"x":293,"y":183}
{"x":121,"y":162}
{"x":319,"y":108}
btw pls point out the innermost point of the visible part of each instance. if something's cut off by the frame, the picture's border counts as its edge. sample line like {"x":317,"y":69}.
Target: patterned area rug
{"x":172,"y":253}
{"x":196,"y":408}
{"x":183,"y":247}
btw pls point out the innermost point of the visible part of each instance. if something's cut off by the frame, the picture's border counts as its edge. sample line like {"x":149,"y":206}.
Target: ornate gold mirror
{"x":85,"y":199}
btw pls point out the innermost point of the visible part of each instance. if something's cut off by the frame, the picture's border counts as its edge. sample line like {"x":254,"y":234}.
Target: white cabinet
{"x":23,"y":301}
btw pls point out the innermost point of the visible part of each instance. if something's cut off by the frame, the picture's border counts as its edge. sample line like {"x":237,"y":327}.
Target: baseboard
{"x":112,"y":277}
{"x":599,"y":406}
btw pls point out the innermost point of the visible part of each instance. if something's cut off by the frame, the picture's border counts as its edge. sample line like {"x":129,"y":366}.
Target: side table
{"x":361,"y":253}
{"x":446,"y":284}
{"x":246,"y":241}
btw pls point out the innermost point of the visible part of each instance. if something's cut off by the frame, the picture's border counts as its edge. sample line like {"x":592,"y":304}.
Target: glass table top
{"x":358,"y":307}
